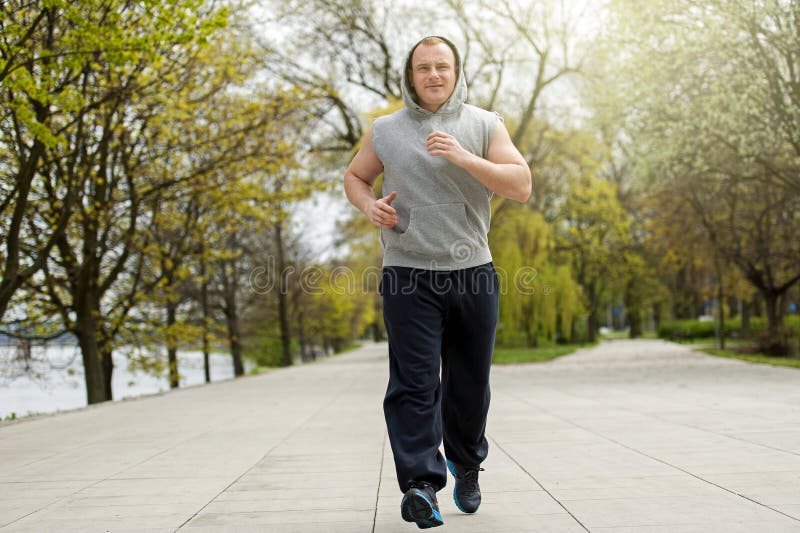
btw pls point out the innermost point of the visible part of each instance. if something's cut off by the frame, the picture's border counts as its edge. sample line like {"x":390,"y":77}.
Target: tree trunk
{"x":236,"y":345}
{"x":204,"y":307}
{"x":774,"y":342}
{"x":720,"y":305}
{"x":635,"y":321}
{"x":657,"y":316}
{"x":234,"y":337}
{"x":172,"y":349}
{"x":86,"y":332}
{"x":301,"y":335}
{"x":721,"y":317}
{"x":757,"y":308}
{"x":11,"y":280}
{"x":634,"y":306}
{"x":283,"y":318}
{"x":593,"y":326}
{"x":107,"y":361}
{"x":746,"y":310}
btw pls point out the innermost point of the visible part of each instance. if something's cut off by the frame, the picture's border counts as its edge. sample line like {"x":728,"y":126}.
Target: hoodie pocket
{"x":438,"y":230}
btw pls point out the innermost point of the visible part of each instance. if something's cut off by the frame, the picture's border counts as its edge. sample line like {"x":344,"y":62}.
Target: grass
{"x":14,"y":417}
{"x":350,"y":347}
{"x":614,"y":334}
{"x":508,"y":356}
{"x":260,"y":370}
{"x":618,"y":334}
{"x":793,"y":362}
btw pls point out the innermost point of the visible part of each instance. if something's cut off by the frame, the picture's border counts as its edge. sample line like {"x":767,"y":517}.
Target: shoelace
{"x":470,"y":479}
{"x":422,"y":485}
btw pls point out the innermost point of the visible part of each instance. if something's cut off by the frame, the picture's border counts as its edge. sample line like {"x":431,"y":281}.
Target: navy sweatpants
{"x":430,"y":315}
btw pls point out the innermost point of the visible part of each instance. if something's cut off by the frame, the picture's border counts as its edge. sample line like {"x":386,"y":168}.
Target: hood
{"x":452,"y":105}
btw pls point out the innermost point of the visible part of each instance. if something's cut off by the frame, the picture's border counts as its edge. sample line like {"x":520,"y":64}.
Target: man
{"x":442,"y":160}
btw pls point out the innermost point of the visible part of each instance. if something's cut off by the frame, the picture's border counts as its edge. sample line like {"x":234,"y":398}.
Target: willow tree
{"x":539,"y":298}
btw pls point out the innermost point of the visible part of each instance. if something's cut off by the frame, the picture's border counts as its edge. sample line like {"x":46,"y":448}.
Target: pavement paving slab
{"x":630,"y":436}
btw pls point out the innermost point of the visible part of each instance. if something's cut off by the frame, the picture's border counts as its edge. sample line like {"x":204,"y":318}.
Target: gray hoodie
{"x":443,"y":212}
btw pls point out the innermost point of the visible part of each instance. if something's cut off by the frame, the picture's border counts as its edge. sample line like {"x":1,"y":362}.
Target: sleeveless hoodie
{"x":443,"y":212}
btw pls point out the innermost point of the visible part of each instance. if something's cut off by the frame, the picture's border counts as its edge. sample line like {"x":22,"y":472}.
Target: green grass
{"x":615,"y":334}
{"x":260,"y":370}
{"x":14,"y":417}
{"x":693,"y":330}
{"x":507,"y":356}
{"x":793,"y":362}
{"x":349,"y":348}
{"x":624,"y":334}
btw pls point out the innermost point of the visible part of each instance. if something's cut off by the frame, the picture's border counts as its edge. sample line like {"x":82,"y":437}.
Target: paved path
{"x":631,"y":436}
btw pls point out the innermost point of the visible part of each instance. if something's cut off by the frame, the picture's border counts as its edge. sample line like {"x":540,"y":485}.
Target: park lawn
{"x":508,"y":356}
{"x":622,"y":334}
{"x":754,"y":358}
{"x":350,"y":347}
{"x":261,"y":369}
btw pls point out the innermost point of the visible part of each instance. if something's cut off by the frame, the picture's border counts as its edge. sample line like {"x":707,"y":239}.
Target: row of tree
{"x":147,"y":167}
{"x":663,"y":143}
{"x":153,"y":155}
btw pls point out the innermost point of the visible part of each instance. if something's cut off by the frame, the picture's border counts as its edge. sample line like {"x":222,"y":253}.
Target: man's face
{"x":433,"y":74}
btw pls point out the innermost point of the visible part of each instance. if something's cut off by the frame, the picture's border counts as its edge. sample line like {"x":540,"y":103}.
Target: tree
{"x":60,"y":63}
{"x":518,"y":71}
{"x":168,"y":121}
{"x":712,"y":97}
{"x":539,"y":296}
{"x":594,"y":234}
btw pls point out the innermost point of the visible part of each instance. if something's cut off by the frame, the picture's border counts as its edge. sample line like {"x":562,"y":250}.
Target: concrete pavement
{"x":630,"y":436}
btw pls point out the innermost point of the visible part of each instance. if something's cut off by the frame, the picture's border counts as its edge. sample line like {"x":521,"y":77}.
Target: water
{"x":54,"y":378}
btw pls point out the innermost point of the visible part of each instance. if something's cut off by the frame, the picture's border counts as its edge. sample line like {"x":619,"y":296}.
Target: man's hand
{"x":381,"y":213}
{"x":444,"y":145}
{"x":504,"y":171}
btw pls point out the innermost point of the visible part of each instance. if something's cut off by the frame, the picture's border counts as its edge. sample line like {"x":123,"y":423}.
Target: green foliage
{"x":688,"y":329}
{"x":695,"y":329}
{"x":793,"y":362}
{"x":707,"y":97}
{"x":594,"y":233}
{"x":505,"y":356}
{"x":155,"y":151}
{"x":265,"y":351}
{"x":538,"y":297}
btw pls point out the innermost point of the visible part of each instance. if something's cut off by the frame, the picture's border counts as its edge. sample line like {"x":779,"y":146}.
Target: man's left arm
{"x":504,"y":171}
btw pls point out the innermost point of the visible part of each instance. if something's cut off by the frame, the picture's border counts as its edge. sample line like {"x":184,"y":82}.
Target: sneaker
{"x":419,"y":505}
{"x":466,"y":492}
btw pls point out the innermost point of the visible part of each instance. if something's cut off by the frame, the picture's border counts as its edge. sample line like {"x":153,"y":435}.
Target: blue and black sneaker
{"x":466,"y":492}
{"x":419,"y":505}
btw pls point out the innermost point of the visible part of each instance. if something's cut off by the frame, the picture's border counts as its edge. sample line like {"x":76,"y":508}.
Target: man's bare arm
{"x":364,"y":169}
{"x":504,"y":171}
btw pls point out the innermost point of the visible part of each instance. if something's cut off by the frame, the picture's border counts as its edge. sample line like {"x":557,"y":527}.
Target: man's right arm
{"x":364,"y":169}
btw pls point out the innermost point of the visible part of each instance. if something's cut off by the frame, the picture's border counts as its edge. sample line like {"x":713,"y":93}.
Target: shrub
{"x":695,"y":329}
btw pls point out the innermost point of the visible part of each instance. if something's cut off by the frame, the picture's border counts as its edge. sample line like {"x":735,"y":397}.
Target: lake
{"x":53,"y":380}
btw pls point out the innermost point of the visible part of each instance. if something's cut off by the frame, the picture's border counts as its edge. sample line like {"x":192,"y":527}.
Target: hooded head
{"x":427,"y":79}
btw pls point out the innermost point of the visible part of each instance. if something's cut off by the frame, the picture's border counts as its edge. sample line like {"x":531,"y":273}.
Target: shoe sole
{"x":416,"y":507}
{"x":452,"y":470}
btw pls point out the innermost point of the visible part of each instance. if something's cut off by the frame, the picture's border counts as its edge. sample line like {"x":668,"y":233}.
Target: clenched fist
{"x":381,"y":213}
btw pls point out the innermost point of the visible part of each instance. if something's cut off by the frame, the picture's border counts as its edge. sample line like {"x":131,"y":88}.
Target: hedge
{"x":695,"y":329}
